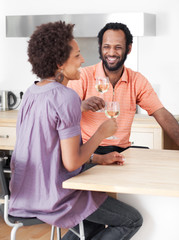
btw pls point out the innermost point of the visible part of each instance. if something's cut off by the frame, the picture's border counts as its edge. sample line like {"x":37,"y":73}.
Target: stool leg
{"x":82,"y":234}
{"x":58,"y":233}
{"x":52,"y":233}
{"x":14,"y":230}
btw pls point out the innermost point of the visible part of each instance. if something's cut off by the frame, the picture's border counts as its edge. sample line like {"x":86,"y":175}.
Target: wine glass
{"x":112,"y":110}
{"x":102,"y":86}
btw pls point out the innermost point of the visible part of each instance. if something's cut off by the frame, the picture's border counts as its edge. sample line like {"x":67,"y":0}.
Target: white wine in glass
{"x":112,"y":110}
{"x":102,"y":86}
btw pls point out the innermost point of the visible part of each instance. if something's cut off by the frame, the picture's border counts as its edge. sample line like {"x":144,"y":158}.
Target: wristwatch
{"x":91,"y":158}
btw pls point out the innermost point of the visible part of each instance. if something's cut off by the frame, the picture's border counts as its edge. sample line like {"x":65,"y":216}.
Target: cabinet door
{"x":147,"y":137}
{"x":7,"y":137}
{"x":143,"y":139}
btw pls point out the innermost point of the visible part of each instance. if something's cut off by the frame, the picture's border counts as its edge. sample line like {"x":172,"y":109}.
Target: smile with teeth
{"x":111,"y":59}
{"x":79,"y":69}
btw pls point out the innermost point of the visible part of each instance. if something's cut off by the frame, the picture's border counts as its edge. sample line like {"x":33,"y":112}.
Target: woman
{"x":48,"y":147}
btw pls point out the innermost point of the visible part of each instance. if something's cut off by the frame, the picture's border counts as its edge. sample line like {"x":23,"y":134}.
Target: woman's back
{"x":48,"y":114}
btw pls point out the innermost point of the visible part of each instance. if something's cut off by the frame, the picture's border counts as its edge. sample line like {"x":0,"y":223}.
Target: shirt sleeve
{"x":69,"y":116}
{"x":146,"y":96}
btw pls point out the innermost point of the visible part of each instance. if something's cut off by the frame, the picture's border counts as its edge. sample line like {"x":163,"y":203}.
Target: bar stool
{"x":17,"y":222}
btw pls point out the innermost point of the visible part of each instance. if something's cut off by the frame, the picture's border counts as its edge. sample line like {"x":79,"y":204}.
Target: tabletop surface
{"x":146,"y":171}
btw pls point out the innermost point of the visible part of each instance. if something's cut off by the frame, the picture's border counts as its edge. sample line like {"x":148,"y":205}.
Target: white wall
{"x":160,"y":216}
{"x":157,"y":56}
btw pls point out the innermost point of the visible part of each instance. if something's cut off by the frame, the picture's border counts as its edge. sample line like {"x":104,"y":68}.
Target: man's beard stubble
{"x":118,"y":64}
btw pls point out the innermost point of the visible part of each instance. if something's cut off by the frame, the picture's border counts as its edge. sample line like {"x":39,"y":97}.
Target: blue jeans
{"x":113,"y":220}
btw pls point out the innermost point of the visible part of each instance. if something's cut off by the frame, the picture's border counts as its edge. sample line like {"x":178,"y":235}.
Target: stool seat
{"x":17,"y":222}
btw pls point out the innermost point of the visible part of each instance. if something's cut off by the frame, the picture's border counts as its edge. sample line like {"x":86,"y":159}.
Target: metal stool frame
{"x":17,"y":222}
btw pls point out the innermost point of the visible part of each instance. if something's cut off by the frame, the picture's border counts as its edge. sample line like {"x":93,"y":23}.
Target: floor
{"x":40,"y":232}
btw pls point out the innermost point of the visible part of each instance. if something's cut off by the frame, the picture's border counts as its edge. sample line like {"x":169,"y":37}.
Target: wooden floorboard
{"x":40,"y":232}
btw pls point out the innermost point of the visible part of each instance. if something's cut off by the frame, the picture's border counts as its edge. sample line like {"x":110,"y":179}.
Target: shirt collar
{"x":99,"y":72}
{"x":124,"y":77}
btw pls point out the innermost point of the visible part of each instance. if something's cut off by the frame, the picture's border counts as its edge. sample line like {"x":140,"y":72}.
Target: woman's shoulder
{"x":67,"y":94}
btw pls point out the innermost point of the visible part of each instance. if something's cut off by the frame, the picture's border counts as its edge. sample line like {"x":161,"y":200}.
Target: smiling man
{"x":114,"y":50}
{"x":128,"y":87}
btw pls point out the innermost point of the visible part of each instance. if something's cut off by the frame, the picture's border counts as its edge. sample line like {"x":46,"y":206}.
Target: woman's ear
{"x":59,"y":76}
{"x":60,"y":67}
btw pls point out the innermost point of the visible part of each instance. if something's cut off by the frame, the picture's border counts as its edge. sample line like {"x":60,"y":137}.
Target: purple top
{"x":47,"y":114}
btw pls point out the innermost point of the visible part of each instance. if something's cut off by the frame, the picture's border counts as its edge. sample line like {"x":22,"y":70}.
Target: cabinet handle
{"x":4,"y":136}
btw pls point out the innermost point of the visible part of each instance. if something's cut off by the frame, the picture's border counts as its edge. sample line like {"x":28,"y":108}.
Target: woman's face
{"x":71,"y":68}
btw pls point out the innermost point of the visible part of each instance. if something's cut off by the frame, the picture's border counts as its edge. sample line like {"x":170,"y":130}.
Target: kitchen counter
{"x":148,"y":181}
{"x":145,"y":132}
{"x":8,"y":118}
{"x":146,"y":171}
{"x":139,"y":119}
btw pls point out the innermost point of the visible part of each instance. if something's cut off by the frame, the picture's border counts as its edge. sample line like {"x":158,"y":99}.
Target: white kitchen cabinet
{"x":147,"y":137}
{"x":8,"y":129}
{"x":7,"y":137}
{"x":147,"y":132}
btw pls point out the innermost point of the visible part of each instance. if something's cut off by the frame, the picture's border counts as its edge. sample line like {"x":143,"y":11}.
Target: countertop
{"x":139,"y":119}
{"x":8,"y":118}
{"x":146,"y":171}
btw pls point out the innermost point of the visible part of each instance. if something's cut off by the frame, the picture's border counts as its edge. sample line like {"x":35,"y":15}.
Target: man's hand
{"x":93,"y":103}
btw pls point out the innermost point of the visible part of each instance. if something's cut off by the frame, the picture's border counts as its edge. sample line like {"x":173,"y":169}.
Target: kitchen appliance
{"x":8,"y":100}
{"x":86,"y":25}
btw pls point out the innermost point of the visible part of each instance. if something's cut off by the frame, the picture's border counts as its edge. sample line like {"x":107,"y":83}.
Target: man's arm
{"x":168,"y":123}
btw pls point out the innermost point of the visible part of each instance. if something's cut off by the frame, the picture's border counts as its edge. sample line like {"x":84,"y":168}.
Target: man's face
{"x":113,"y":49}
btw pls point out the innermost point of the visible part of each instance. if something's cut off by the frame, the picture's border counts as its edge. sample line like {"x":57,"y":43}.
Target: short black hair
{"x":115,"y":26}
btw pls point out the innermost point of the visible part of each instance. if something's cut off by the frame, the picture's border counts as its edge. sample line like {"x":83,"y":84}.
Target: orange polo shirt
{"x":131,"y":89}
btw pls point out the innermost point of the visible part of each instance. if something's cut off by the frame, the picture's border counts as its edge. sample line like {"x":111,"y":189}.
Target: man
{"x":126,"y":86}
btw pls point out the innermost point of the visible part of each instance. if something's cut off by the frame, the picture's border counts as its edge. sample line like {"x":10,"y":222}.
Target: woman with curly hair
{"x":49,"y":150}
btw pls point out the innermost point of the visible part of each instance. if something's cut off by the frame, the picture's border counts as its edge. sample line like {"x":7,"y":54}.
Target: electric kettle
{"x":7,"y":100}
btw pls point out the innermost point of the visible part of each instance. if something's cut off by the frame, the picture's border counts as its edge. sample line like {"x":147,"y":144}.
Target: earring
{"x":59,"y":76}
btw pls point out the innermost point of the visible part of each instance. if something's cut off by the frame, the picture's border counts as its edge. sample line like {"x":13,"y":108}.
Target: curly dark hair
{"x":49,"y":46}
{"x":115,"y":26}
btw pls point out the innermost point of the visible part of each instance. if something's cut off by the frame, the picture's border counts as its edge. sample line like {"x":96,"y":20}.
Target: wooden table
{"x":149,"y":181}
{"x":146,"y":171}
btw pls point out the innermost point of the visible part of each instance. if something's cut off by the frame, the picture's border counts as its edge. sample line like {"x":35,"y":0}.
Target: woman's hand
{"x":108,"y":128}
{"x":109,"y":158}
